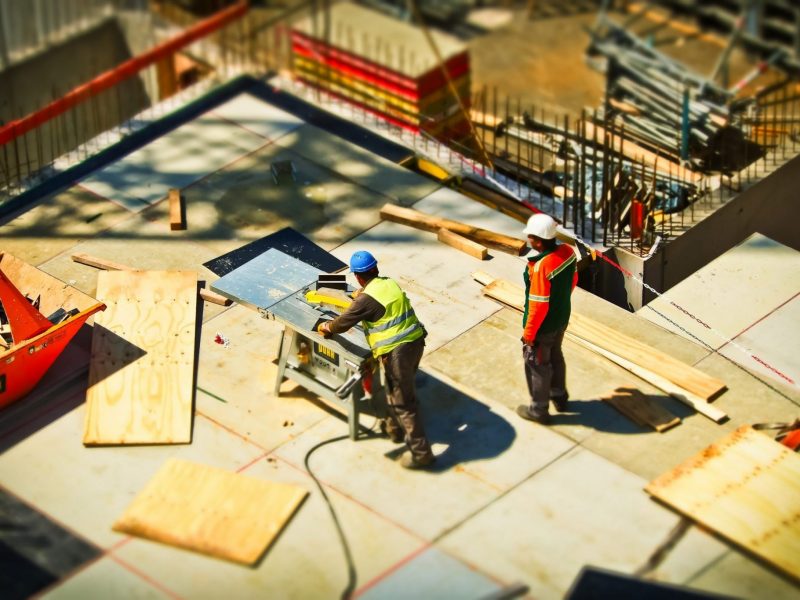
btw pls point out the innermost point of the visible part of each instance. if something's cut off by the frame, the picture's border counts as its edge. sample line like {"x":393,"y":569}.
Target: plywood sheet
{"x":746,"y":487}
{"x":142,"y":366}
{"x":211,"y":511}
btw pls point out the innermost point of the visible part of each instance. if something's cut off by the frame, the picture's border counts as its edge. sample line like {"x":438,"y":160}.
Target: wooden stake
{"x":177,"y":210}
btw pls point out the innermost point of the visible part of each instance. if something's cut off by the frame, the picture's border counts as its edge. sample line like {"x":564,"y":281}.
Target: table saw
{"x":277,"y":285}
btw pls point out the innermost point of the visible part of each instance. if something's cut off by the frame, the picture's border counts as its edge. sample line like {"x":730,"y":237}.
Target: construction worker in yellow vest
{"x":550,"y":276}
{"x":397,"y":339}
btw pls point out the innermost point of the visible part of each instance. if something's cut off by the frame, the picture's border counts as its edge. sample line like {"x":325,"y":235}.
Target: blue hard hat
{"x":362,"y":261}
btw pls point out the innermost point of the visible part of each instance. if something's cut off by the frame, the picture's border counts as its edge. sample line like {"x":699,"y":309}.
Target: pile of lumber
{"x":384,"y":66}
{"x":471,"y":240}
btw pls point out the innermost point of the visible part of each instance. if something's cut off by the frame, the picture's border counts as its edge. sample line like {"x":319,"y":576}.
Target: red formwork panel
{"x":36,"y":341}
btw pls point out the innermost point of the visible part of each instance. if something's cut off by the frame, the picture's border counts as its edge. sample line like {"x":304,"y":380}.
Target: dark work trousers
{"x":545,"y":370}
{"x":400,"y":366}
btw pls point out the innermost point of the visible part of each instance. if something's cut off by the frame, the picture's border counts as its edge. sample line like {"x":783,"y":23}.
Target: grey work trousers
{"x":545,"y":370}
{"x":400,"y":366}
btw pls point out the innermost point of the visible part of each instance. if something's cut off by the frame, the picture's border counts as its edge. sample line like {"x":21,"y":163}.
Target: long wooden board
{"x":641,"y":409}
{"x":425,"y":222}
{"x":141,"y":371}
{"x":673,"y":370}
{"x":746,"y":487}
{"x":662,"y":383}
{"x":211,"y":511}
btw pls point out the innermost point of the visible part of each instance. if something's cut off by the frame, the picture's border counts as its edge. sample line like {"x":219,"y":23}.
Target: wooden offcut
{"x":680,"y":380}
{"x":641,"y":409}
{"x":745,"y":487}
{"x":99,"y":263}
{"x":177,"y":210}
{"x":211,"y":511}
{"x":425,"y":222}
{"x":141,"y":372}
{"x":459,"y":242}
{"x":214,"y":297}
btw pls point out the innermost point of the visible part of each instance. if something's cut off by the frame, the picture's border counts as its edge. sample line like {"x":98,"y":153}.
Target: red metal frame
{"x":128,"y":69}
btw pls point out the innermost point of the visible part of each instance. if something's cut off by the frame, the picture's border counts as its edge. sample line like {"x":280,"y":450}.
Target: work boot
{"x":523,"y":412}
{"x":561,"y":402}
{"x":391,"y":430}
{"x":409,"y":461}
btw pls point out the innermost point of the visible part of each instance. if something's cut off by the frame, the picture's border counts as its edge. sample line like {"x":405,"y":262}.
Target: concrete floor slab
{"x":235,"y":383}
{"x":393,"y":182}
{"x":581,"y":510}
{"x":363,"y":471}
{"x":732,"y":292}
{"x":498,"y":375}
{"x":137,"y":243}
{"x":110,"y":575}
{"x":482,"y":437}
{"x":174,"y":160}
{"x":305,"y":561}
{"x":86,"y":489}
{"x":242,"y":203}
{"x":739,"y":576}
{"x":433,"y":575}
{"x":257,"y":116}
{"x":775,"y":339}
{"x":58,"y":223}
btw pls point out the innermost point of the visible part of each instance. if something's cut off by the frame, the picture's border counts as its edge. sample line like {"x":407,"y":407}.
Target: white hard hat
{"x":542,"y":226}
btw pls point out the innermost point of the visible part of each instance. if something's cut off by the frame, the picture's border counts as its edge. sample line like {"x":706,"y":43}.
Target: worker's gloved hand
{"x":355,"y":294}
{"x":324,"y":329}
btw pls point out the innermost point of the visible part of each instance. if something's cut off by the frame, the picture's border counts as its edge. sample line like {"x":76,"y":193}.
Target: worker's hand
{"x":355,"y":294}
{"x":526,"y":342}
{"x":324,"y":329}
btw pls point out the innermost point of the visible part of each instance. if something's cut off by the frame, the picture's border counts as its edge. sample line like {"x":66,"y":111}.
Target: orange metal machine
{"x":33,"y":341}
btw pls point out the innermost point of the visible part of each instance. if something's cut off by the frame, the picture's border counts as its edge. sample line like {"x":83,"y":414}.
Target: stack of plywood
{"x":384,"y":66}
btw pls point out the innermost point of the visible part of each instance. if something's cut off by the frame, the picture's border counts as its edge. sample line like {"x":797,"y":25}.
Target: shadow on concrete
{"x":469,"y":428}
{"x":602,"y":416}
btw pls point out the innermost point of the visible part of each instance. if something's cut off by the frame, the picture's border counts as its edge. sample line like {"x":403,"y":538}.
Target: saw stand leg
{"x":284,"y":347}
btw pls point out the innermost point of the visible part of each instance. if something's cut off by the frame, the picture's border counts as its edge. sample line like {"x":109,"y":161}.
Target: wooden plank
{"x":695,"y":402}
{"x":676,"y":371}
{"x":177,"y":210}
{"x":425,"y":222}
{"x":642,"y":409}
{"x":99,"y":263}
{"x":214,"y":297}
{"x":141,"y":373}
{"x":211,"y":511}
{"x":746,"y":487}
{"x":691,"y":380}
{"x":459,"y":242}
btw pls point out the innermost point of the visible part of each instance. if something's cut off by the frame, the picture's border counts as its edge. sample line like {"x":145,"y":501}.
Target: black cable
{"x":351,"y":567}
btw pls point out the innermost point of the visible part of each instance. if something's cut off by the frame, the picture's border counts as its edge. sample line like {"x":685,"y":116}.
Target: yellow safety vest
{"x":398,"y":324}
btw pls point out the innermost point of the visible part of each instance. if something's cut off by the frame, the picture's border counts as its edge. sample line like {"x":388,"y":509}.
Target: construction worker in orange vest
{"x":397,"y":339}
{"x":550,"y":276}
